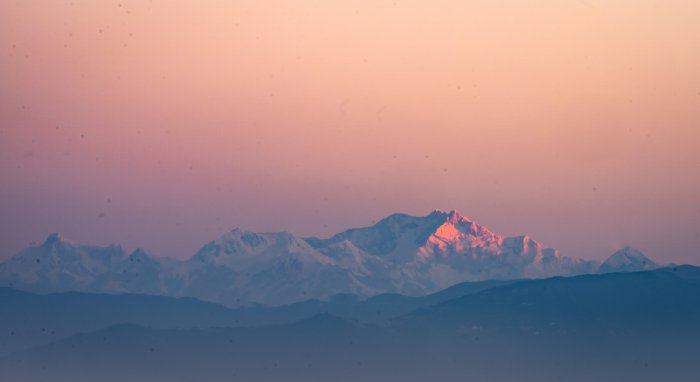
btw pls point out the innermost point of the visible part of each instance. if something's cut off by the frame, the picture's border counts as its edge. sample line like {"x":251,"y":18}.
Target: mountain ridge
{"x":404,"y":254}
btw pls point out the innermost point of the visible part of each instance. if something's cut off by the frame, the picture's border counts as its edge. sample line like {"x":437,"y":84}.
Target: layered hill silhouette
{"x":33,"y":319}
{"x":639,"y":326}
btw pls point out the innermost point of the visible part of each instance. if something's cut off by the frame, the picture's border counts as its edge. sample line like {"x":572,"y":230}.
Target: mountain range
{"x":401,"y":254}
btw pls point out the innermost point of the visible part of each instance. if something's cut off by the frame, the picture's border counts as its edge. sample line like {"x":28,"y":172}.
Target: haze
{"x":164,"y":124}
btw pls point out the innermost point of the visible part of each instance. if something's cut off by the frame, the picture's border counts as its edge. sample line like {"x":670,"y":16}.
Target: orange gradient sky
{"x":162,"y":124}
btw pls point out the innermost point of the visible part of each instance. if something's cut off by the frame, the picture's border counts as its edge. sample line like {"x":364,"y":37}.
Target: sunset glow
{"x":163,"y":124}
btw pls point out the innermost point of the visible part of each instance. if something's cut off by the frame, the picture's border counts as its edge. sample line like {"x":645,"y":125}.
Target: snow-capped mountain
{"x":272,"y":268}
{"x":58,"y":265}
{"x":627,"y":259}
{"x":400,"y":254}
{"x":137,"y":273}
{"x":425,"y":254}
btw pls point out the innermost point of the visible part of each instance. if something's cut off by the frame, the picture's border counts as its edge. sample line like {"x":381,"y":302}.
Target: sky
{"x":163,"y":124}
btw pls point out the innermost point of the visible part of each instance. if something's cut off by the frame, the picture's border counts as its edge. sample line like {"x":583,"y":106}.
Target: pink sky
{"x":163,"y":124}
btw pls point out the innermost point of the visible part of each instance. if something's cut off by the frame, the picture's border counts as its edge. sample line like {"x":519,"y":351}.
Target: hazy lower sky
{"x":163,"y":124}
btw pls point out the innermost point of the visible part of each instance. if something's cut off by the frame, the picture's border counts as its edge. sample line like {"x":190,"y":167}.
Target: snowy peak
{"x":399,"y":236}
{"x":250,"y":258}
{"x":238,"y":242}
{"x":254,"y":241}
{"x":521,"y":244}
{"x":463,"y":224}
{"x":454,"y":217}
{"x":457,"y":227}
{"x":453,"y":226}
{"x":59,"y":265}
{"x":55,"y":239}
{"x":57,"y":250}
{"x":442,"y":248}
{"x":627,"y":259}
